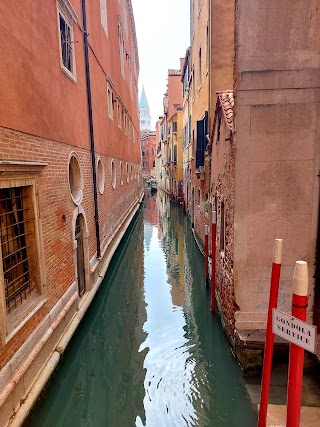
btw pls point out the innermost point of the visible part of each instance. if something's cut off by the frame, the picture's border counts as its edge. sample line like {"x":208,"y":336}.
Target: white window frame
{"x":125,"y":16}
{"x":119,"y":112}
{"x":110,"y":100}
{"x":104,"y":16}
{"x":121,"y":48}
{"x":67,"y":13}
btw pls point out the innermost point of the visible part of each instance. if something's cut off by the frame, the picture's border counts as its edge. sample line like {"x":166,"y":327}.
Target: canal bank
{"x":148,"y":352}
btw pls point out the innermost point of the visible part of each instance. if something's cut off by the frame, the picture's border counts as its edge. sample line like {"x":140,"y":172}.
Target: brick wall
{"x":54,"y":202}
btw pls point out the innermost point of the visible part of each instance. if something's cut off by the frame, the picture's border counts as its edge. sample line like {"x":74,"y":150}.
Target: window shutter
{"x":200,"y":144}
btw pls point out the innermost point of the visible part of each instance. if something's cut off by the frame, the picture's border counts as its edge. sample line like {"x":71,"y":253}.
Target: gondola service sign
{"x":294,"y":330}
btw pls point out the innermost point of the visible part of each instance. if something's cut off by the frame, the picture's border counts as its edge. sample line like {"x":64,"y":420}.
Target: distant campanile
{"x":145,"y":117}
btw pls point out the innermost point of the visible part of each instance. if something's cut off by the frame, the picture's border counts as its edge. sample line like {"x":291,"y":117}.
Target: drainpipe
{"x":93,"y":157}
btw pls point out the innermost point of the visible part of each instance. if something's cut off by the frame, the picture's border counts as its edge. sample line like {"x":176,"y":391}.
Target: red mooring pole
{"x":206,"y":249}
{"x":296,"y":357}
{"x":268,"y":349}
{"x":213,"y":260}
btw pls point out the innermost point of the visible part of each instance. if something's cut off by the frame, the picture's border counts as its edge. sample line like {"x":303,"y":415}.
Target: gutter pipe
{"x":93,"y":157}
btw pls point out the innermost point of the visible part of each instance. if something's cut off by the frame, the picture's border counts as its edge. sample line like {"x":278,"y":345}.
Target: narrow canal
{"x":148,"y":352}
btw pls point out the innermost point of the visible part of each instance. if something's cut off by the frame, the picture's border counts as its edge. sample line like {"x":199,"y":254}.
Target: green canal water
{"x":149,"y":352}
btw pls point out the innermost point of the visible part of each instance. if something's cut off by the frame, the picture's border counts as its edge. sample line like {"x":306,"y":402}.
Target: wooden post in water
{"x":296,"y":356}
{"x":206,"y":250}
{"x":268,"y":349}
{"x":213,"y":260}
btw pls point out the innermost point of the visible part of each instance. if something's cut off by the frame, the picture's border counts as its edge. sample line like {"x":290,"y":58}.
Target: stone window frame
{"x":100,"y":175}
{"x":65,"y":10}
{"x":24,"y":175}
{"x":119,"y":112}
{"x":127,"y":171}
{"x":121,"y":48}
{"x":222,"y":228}
{"x":113,"y":173}
{"x":104,"y":16}
{"x":121,"y":172}
{"x":77,"y":200}
{"x":110,"y":100}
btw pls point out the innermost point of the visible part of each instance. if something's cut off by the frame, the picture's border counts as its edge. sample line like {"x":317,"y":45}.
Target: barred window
{"x":16,"y":239}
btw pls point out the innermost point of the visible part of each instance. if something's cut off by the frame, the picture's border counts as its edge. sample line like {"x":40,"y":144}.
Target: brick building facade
{"x":68,"y":117}
{"x":148,"y":152}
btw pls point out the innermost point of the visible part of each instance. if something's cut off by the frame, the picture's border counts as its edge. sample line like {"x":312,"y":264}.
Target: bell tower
{"x":145,"y":117}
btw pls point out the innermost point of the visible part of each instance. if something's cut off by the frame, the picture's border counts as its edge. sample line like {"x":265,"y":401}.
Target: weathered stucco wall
{"x":277,"y":158}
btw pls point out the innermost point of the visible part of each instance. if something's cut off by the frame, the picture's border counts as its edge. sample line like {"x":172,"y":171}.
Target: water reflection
{"x":148,"y":352}
{"x":172,"y":395}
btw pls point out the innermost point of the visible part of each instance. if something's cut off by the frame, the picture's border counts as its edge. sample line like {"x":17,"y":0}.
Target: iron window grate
{"x":15,"y":244}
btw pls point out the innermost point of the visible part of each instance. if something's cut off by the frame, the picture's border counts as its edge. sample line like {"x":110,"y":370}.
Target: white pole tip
{"x":300,"y":278}
{"x":214,"y":217}
{"x":277,"y":251}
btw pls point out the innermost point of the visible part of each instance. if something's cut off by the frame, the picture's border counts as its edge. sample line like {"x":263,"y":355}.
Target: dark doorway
{"x":80,"y":257}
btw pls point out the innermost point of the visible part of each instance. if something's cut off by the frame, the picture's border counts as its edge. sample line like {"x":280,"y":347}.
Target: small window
{"x":100,"y":176}
{"x":174,"y":126}
{"x":127,"y":171}
{"x":113,"y":175}
{"x":103,"y":13}
{"x":121,"y":47}
{"x":175,"y":154}
{"x":121,"y":173}
{"x":222,"y":228}
{"x":110,"y":101}
{"x":219,"y":128}
{"x":66,"y":40}
{"x":119,"y":115}
{"x":75,"y":179}
{"x":199,"y":197}
{"x":125,"y":20}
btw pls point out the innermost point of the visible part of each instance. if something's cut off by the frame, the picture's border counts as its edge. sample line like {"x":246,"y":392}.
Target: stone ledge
{"x":248,"y":339}
{"x":276,"y":417}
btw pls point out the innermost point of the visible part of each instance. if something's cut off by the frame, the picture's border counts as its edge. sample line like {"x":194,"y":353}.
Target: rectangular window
{"x":110,"y":101}
{"x":130,"y":77}
{"x":15,"y":243}
{"x":222,"y":228}
{"x":219,"y":127}
{"x":66,"y":40}
{"x":174,"y":126}
{"x":175,"y":154}
{"x":125,"y":20}
{"x":125,"y":123}
{"x":119,"y":115}
{"x":103,"y":14}
{"x":121,"y":47}
{"x":21,"y":282}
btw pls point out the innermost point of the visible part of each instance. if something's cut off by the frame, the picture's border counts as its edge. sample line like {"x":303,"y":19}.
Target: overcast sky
{"x":162,"y":28}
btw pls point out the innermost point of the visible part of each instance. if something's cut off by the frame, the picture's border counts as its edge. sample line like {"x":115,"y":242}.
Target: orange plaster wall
{"x":40,"y":99}
{"x":174,"y":93}
{"x":37,"y":97}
